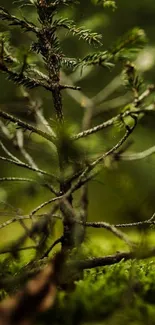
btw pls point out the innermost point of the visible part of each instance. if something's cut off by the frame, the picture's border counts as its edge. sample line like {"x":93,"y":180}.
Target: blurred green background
{"x":124,"y":191}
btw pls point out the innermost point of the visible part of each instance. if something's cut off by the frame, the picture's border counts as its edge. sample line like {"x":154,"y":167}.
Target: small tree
{"x":76,"y":164}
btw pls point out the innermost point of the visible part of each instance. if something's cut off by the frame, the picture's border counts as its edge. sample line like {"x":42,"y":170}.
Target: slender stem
{"x":138,"y":155}
{"x":113,"y":121}
{"x":21,"y":164}
{"x":26,"y":126}
{"x":86,"y":175}
{"x":17,"y":218}
{"x":57,"y":241}
{"x":115,"y":258}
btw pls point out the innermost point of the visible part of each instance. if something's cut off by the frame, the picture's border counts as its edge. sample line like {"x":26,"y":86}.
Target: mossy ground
{"x":120,"y":294}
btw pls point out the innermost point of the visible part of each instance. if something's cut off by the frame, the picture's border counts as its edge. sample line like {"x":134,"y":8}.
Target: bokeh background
{"x":124,"y":191}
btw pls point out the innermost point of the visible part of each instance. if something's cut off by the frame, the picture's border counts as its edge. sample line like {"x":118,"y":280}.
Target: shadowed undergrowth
{"x":124,"y":292}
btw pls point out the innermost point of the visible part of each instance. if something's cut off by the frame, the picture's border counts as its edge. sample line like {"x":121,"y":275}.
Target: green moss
{"x":118,"y":294}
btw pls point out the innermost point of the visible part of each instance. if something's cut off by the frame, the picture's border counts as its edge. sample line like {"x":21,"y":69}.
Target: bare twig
{"x":17,"y":218}
{"x":44,"y":204}
{"x":140,"y":224}
{"x":111,"y":228}
{"x":138,"y":155}
{"x":26,"y":126}
{"x":116,"y":258}
{"x":113,"y":121}
{"x":29,"y":159}
{"x":37,"y":227}
{"x":86,"y":175}
{"x":21,"y":164}
{"x":9,"y":153}
{"x":19,"y":179}
{"x":57,"y":241}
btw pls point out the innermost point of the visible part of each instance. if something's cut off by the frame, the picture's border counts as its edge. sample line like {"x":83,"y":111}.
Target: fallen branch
{"x":115,"y":258}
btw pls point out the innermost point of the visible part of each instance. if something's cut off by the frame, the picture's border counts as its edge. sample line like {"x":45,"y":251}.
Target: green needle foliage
{"x":45,"y":67}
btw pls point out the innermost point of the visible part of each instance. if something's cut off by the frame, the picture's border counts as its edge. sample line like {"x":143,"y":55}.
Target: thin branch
{"x":44,"y":122}
{"x":86,"y":176}
{"x":29,"y":180}
{"x":96,"y":224}
{"x":105,"y":225}
{"x":72,"y":87}
{"x":138,"y":155}
{"x":113,"y":149}
{"x":26,"y":126}
{"x":21,"y":164}
{"x":44,"y":204}
{"x":140,"y":224}
{"x":30,"y":160}
{"x":26,"y":217}
{"x":37,"y":228}
{"x":19,"y":137}
{"x":18,"y":179}
{"x":116,"y":258}
{"x":145,"y":94}
{"x":5,"y":130}
{"x":35,"y":106}
{"x":9,"y":153}
{"x":24,"y":79}
{"x":113,"y":121}
{"x":57,"y":241}
{"x":101,"y":224}
{"x":111,"y":228}
{"x":13,"y":20}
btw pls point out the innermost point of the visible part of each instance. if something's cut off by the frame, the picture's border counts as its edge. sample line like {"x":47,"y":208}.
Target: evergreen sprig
{"x":103,"y":59}
{"x":131,"y":78}
{"x":75,"y":165}
{"x":82,"y":33}
{"x":129,"y":44}
{"x":14,"y":21}
{"x":107,"y":3}
{"x":126,"y":47}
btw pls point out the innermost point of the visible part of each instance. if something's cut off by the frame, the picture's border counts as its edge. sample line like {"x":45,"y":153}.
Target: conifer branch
{"x":80,"y":32}
{"x":70,"y":161}
{"x":14,"y":21}
{"x":23,"y":79}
